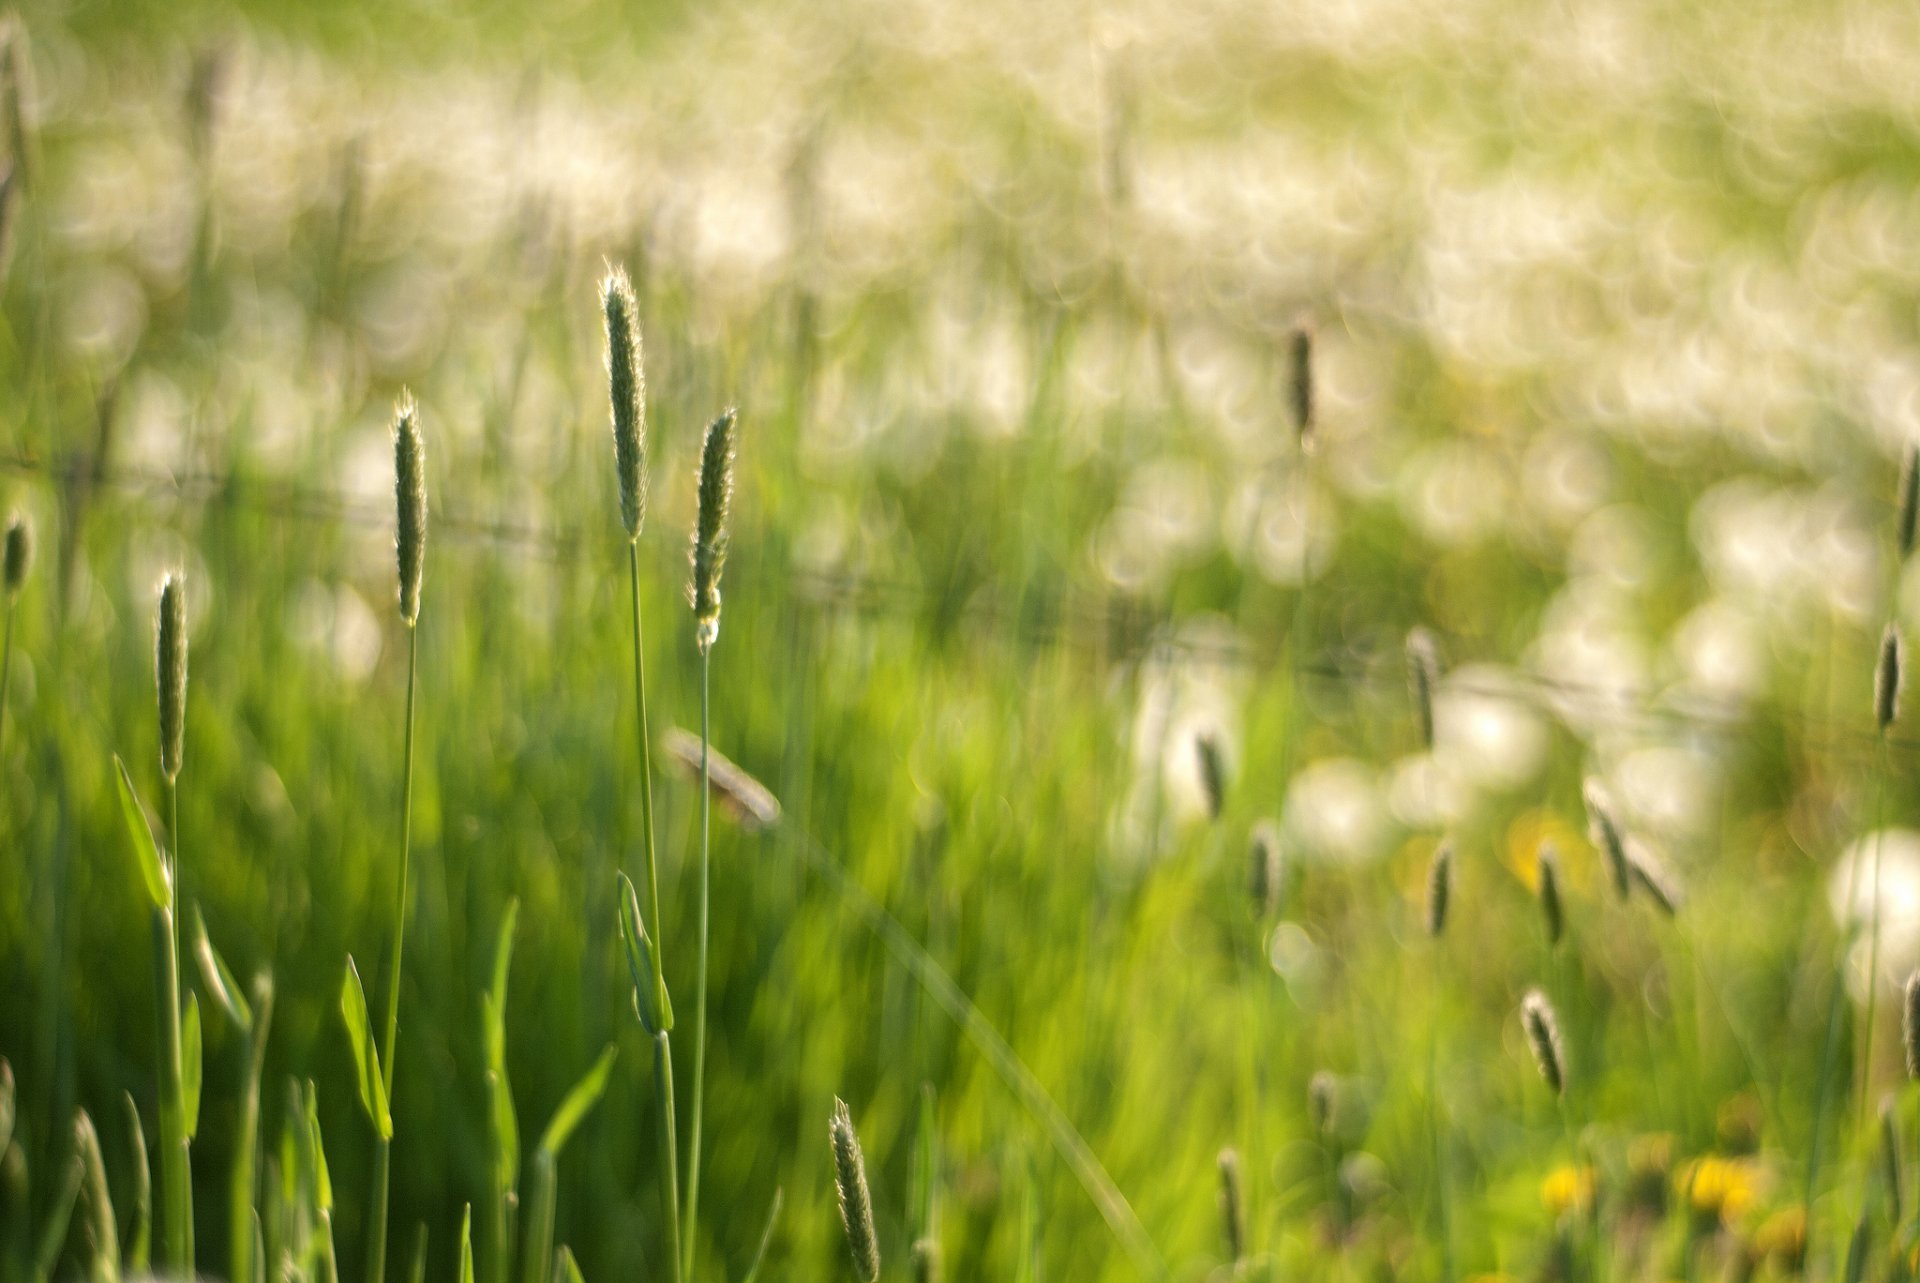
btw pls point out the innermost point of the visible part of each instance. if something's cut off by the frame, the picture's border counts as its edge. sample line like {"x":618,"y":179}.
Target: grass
{"x":1020,"y":532}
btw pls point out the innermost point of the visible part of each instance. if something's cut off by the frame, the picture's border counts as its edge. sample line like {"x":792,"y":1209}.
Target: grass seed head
{"x":1439,"y":888}
{"x":1233,"y":1217}
{"x":856,"y":1205}
{"x":1651,"y":875}
{"x":710,"y":528}
{"x":410,"y":505}
{"x":1550,"y":907}
{"x":627,"y":389}
{"x":1603,"y":827}
{"x":1910,"y":1024}
{"x":1909,"y":499}
{"x":926,"y":1261}
{"x":1886,"y":679}
{"x":19,"y":554}
{"x":1423,"y":674}
{"x":170,"y":673}
{"x":1300,"y":381}
{"x":1543,"y":1036}
{"x":1266,"y":870}
{"x":1213,"y":773}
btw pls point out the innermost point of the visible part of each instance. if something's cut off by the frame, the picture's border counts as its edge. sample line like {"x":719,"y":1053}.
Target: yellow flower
{"x":1783,"y":1236}
{"x":1722,"y":1188}
{"x":1566,"y":1188}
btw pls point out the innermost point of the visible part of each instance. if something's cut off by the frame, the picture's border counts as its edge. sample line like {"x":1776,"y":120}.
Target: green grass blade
{"x":191,"y":1065}
{"x":766,"y":1236}
{"x":146,"y":852}
{"x":582,"y":1098}
{"x":366,"y":1057}
{"x":466,"y":1245}
{"x":140,"y":1233}
{"x":221,"y":985}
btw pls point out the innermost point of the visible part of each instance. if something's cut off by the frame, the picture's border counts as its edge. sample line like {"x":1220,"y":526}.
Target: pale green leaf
{"x":366,"y":1056}
{"x":583,"y":1097}
{"x":146,"y":852}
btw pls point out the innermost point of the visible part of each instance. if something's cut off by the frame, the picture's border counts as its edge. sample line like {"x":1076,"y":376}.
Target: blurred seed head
{"x":170,"y":673}
{"x":1300,"y":381}
{"x":19,"y":554}
{"x":1603,"y":827}
{"x":1543,"y":1036}
{"x":1323,"y":1091}
{"x":1423,"y":674}
{"x":856,"y":1205}
{"x":410,"y":505}
{"x":1439,"y":888}
{"x":749,"y":802}
{"x":1213,"y":773}
{"x":1266,"y":870}
{"x":1651,"y":875}
{"x":627,"y":390}
{"x":926,"y":1261}
{"x":1550,"y":907}
{"x":1910,"y":1024}
{"x":1909,"y":511}
{"x":1233,"y":1220}
{"x":1886,"y":679}
{"x":710,"y":528}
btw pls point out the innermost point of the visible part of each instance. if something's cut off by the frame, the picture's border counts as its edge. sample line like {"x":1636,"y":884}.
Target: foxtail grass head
{"x":1543,"y":1037}
{"x":170,"y":673}
{"x":627,"y":388}
{"x":1910,"y":1024}
{"x":19,"y":554}
{"x":1213,"y":773}
{"x":1909,"y":500}
{"x":1423,"y":674}
{"x":1439,"y":888}
{"x":1603,"y":827}
{"x":1550,"y":906}
{"x":1233,"y":1213}
{"x":856,"y":1204}
{"x":1886,"y":679}
{"x":410,"y":505}
{"x":1266,"y":870}
{"x":710,"y":528}
{"x":1300,"y":381}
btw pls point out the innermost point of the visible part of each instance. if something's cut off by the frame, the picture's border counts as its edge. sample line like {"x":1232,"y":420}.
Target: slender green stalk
{"x":6,"y":677}
{"x":669,"y":1161}
{"x":689,"y":1235}
{"x":243,"y":1197}
{"x":1873,"y":937}
{"x":383,"y":1146}
{"x":646,"y":789}
{"x":176,"y":1189}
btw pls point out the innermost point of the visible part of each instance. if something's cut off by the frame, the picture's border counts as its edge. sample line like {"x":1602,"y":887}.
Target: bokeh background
{"x":1615,"y":359}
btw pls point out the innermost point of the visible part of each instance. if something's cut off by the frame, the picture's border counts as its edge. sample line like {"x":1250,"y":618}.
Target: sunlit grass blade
{"x":366,"y":1057}
{"x":541,"y":1189}
{"x":140,"y":1228}
{"x":766,"y":1237}
{"x":102,"y":1229}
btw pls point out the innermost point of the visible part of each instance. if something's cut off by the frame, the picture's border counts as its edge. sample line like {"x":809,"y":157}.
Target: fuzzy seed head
{"x":1909,"y":500}
{"x":1322,"y":1094}
{"x":1886,"y":679}
{"x":19,"y":554}
{"x":627,"y":389}
{"x":1543,"y":1036}
{"x":1423,"y":674}
{"x":1439,"y":888}
{"x":1603,"y":827}
{"x":1910,"y":1024}
{"x":1233,"y":1219}
{"x":926,"y":1261}
{"x":710,"y":529}
{"x":1266,"y":870}
{"x":856,"y":1205}
{"x":1213,"y":773}
{"x":170,"y":673}
{"x":1550,"y":907}
{"x":1300,"y":382}
{"x":410,"y":505}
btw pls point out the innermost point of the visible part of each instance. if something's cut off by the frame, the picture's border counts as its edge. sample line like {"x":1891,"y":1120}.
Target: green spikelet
{"x":1233,"y":1218}
{"x":1439,"y":888}
{"x":170,"y":673}
{"x":1543,"y":1036}
{"x":1266,"y":869}
{"x":1213,"y":774}
{"x":1886,"y":679}
{"x":710,"y":529}
{"x":1550,"y":908}
{"x":1423,"y":674}
{"x":19,"y":554}
{"x":410,"y":505}
{"x":856,"y":1205}
{"x":1603,"y":826}
{"x":627,"y":389}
